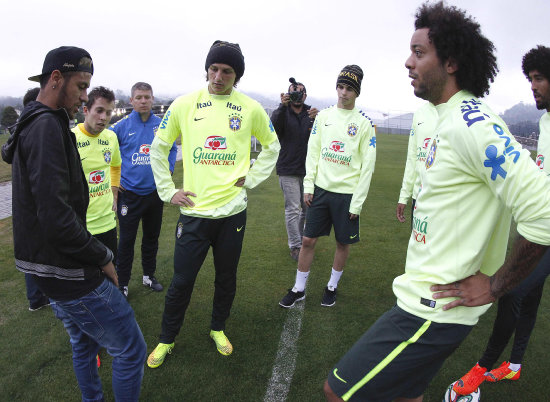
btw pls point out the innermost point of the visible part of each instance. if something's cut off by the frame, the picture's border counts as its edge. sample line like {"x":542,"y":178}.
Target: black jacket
{"x":50,"y":199}
{"x":293,"y":132}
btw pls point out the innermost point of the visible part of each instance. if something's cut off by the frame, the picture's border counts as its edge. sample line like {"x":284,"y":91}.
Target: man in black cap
{"x":216,"y":124}
{"x":339,"y":165}
{"x":50,"y":199}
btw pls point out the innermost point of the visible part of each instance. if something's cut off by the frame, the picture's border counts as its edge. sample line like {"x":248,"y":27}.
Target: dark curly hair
{"x":538,"y":59}
{"x":458,"y":37}
{"x":99,"y":92}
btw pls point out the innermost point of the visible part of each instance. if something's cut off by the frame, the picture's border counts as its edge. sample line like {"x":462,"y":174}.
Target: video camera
{"x":295,"y":95}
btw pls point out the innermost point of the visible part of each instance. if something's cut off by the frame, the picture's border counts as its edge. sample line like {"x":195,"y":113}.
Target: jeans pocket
{"x":87,"y":312}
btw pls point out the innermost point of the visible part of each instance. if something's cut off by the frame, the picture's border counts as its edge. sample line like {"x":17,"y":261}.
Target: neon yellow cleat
{"x":157,"y":356}
{"x":222,"y":343}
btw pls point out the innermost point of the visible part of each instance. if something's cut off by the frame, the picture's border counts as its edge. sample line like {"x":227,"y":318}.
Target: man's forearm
{"x":523,"y":259}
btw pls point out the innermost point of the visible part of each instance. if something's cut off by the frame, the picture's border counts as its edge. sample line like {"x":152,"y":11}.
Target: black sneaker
{"x":291,"y":298}
{"x":329,"y":297}
{"x":151,"y":281}
{"x":123,"y":290}
{"x":43,"y":302}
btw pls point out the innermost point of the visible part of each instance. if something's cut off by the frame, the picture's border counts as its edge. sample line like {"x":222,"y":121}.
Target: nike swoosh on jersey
{"x":239,"y":229}
{"x":328,"y":124}
{"x":130,"y":134}
{"x":199,"y":118}
{"x":337,"y":376}
{"x":353,"y":237}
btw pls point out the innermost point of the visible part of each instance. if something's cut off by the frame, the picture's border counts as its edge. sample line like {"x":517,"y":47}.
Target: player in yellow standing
{"x":476,"y":177}
{"x":215,"y":124}
{"x":339,"y":165}
{"x":100,"y":157}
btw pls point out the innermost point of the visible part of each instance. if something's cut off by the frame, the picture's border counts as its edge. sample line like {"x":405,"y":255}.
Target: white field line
{"x":285,"y":362}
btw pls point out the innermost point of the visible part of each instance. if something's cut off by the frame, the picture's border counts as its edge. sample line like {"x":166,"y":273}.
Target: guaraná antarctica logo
{"x":335,"y":154}
{"x":96,"y":177}
{"x":215,"y":142}
{"x":98,"y":185}
{"x":142,"y":157}
{"x":214,"y":152}
{"x":337,"y":146}
{"x":540,"y":161}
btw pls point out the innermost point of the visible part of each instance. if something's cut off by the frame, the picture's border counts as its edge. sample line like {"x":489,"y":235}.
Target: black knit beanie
{"x":351,"y":75}
{"x":226,"y":53}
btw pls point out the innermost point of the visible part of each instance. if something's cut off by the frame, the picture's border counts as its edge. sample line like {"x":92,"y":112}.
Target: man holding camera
{"x":293,"y":120}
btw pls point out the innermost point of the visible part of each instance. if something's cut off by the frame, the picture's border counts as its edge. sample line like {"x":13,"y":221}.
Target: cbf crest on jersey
{"x":352,"y":130}
{"x":235,"y":122}
{"x":107,"y":155}
{"x":430,"y":159}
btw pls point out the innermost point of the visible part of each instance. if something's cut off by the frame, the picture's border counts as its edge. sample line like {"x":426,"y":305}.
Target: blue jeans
{"x":34,"y":295}
{"x":103,"y":318}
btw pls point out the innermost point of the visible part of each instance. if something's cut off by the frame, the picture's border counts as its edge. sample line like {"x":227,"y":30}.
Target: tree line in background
{"x":522,"y":119}
{"x":10,"y":107}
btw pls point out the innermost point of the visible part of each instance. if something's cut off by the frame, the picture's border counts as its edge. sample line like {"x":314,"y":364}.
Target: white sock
{"x":334,"y":278}
{"x":301,"y":279}
{"x":514,"y":366}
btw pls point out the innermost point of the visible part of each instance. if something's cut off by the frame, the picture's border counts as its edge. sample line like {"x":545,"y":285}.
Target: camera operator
{"x":293,"y":120}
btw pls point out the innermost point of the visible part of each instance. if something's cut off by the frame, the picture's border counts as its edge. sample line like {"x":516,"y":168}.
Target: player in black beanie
{"x":351,"y":75}
{"x":226,"y":53}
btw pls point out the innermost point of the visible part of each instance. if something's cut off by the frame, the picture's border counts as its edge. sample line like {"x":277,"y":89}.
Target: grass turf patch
{"x":36,"y":363}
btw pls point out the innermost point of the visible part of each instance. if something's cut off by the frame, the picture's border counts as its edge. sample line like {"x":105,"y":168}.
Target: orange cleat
{"x":503,"y":373}
{"x":470,"y":381}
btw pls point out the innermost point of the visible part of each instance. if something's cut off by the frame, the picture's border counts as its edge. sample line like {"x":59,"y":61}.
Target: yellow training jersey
{"x":98,"y":154}
{"x":216,"y":132}
{"x":341,"y":154}
{"x":475,"y":177}
{"x":543,"y":149}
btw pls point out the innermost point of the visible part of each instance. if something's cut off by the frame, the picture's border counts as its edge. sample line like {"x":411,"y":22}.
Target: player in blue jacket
{"x":138,"y":198}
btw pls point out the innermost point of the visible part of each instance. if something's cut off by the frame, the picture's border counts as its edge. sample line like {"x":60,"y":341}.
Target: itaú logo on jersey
{"x":540,"y":161}
{"x":144,"y":149}
{"x":426,"y":143}
{"x":337,"y":146}
{"x":215,"y":142}
{"x":96,"y":177}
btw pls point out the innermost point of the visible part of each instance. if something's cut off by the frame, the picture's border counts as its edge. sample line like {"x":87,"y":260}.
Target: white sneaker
{"x":124,"y":290}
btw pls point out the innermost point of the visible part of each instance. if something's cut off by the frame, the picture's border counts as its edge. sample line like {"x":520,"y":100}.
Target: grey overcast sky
{"x":165,"y":43}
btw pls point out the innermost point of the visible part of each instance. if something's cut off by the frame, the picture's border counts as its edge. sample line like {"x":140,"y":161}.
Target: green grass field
{"x":36,"y":360}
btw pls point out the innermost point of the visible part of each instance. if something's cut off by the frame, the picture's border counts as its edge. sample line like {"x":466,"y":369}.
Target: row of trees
{"x":523,"y":120}
{"x":8,"y":116}
{"x":10,"y":105}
